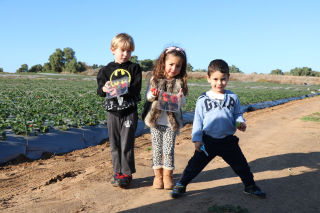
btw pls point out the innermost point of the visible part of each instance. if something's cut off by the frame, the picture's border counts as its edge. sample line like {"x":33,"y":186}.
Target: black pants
{"x":227,"y":148}
{"x":122,"y":136}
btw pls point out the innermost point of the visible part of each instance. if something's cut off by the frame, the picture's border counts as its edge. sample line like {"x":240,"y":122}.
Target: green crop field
{"x":30,"y":106}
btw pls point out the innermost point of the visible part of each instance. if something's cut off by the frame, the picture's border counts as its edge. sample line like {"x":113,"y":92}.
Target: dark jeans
{"x":227,"y":148}
{"x":122,"y":136}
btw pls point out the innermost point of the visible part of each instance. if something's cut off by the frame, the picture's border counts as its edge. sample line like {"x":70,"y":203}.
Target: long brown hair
{"x":158,"y":71}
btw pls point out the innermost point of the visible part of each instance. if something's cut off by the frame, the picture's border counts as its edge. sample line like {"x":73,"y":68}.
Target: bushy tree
{"x":36,"y":68}
{"x":73,"y":66}
{"x":1,"y":69}
{"x":189,"y":68}
{"x":315,"y":74}
{"x":146,"y":65}
{"x":46,"y":67}
{"x":100,"y":66}
{"x":304,"y":71}
{"x":68,"y":54}
{"x":80,"y":66}
{"x":276,"y":72}
{"x":57,"y":60}
{"x":200,"y":70}
{"x":94,"y":66}
{"x":23,"y":68}
{"x":134,"y":59}
{"x":234,"y":69}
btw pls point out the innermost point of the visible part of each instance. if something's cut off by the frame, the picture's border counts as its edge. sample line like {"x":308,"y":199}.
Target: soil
{"x":282,"y":150}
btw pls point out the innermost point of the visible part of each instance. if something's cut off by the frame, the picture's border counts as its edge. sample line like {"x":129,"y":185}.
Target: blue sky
{"x":256,"y":36}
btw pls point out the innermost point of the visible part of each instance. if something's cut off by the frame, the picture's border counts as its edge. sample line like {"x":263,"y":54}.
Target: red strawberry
{"x":166,"y":99}
{"x":174,"y":99}
{"x":153,"y":89}
{"x":31,"y":125}
{"x":123,"y":85}
{"x":165,"y":95}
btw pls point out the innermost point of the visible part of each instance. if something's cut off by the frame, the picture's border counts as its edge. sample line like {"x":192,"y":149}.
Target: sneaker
{"x":255,"y":191}
{"x":116,"y":179}
{"x":125,"y":181}
{"x":177,"y":191}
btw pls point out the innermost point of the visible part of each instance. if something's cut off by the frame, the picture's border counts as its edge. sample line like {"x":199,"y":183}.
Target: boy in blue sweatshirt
{"x":218,"y":115}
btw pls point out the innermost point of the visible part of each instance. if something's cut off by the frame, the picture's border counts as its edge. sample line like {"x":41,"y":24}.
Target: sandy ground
{"x":283,"y":153}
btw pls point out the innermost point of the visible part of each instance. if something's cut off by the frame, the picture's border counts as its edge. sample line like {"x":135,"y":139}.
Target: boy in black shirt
{"x":122,"y":113}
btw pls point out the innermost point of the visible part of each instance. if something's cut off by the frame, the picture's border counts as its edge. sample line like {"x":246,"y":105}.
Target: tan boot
{"x":167,"y":179}
{"x":158,"y":179}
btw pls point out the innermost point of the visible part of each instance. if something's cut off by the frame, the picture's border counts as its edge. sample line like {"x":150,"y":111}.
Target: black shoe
{"x":177,"y":191}
{"x":255,"y":191}
{"x":116,"y":180}
{"x":125,"y":181}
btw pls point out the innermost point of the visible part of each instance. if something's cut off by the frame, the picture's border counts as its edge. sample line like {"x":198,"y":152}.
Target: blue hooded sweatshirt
{"x":214,"y":119}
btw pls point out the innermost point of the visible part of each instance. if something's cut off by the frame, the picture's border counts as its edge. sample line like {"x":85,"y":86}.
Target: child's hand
{"x":180,"y":93}
{"x":107,"y":87}
{"x":155,"y":92}
{"x":198,"y":145}
{"x":242,"y":126}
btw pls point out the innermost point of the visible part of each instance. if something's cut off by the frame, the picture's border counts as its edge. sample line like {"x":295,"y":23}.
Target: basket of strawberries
{"x":118,"y":87}
{"x":168,"y":101}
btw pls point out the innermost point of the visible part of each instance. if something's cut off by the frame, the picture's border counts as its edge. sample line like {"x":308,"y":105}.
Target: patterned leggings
{"x":163,"y":139}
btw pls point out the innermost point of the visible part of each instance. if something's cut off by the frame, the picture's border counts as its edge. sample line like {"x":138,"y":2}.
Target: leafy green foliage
{"x":304,"y":71}
{"x":69,"y":54}
{"x":134,"y":59}
{"x":234,"y":69}
{"x":227,"y":208}
{"x":146,"y":65}
{"x":36,"y":68}
{"x":1,"y":69}
{"x":189,"y":67}
{"x":57,"y":60}
{"x":276,"y":72}
{"x":23,"y":68}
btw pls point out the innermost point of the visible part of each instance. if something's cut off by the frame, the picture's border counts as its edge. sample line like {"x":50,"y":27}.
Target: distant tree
{"x":68,"y":54}
{"x":304,"y":71}
{"x":94,"y":66}
{"x":23,"y":68}
{"x":74,"y":67}
{"x":71,"y":66}
{"x":189,"y":68}
{"x":234,"y":69}
{"x":146,"y":65}
{"x":315,"y":73}
{"x":134,"y":59}
{"x":286,"y":73}
{"x":36,"y":68}
{"x":81,"y":67}
{"x":276,"y":72}
{"x":46,"y":67}
{"x":1,"y":69}
{"x":200,"y":70}
{"x":57,"y":60}
{"x":100,"y":66}
{"x":254,"y":73}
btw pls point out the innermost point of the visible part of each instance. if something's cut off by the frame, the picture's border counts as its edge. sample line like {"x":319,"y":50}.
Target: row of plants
{"x":30,"y":106}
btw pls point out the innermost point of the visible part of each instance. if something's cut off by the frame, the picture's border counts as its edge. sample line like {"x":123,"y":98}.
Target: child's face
{"x":218,"y":81}
{"x":121,"y":55}
{"x":172,"y":66}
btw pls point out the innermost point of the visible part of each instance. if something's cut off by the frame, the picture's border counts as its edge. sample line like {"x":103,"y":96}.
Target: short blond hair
{"x":124,"y":41}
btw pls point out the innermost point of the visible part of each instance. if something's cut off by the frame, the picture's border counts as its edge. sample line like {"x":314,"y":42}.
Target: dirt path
{"x":283,"y":153}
